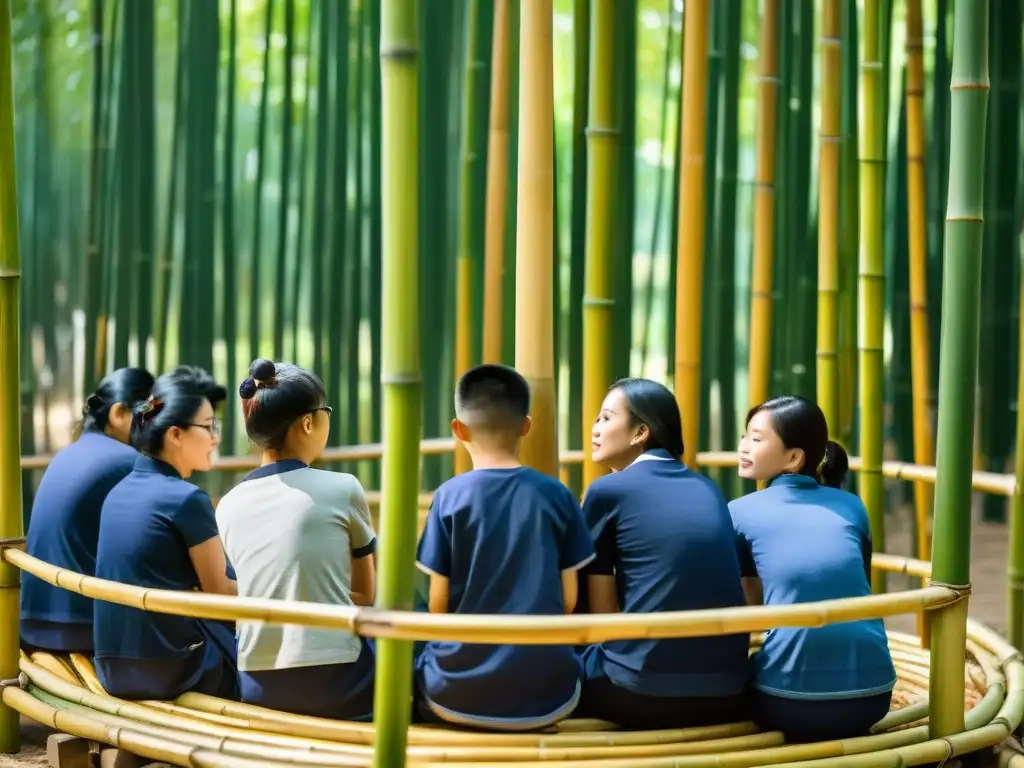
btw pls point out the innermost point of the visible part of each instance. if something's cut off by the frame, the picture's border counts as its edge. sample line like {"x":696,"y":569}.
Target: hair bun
{"x":262,"y":369}
{"x":247,"y":389}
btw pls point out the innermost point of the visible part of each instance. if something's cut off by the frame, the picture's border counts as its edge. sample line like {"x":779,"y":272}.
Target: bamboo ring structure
{"x":198,"y":730}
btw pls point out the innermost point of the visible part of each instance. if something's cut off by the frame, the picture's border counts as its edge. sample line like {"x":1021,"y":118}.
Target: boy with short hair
{"x":502,"y":538}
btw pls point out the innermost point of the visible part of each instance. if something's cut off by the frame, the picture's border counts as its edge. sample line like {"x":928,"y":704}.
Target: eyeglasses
{"x":325,"y":408}
{"x":213,"y":427}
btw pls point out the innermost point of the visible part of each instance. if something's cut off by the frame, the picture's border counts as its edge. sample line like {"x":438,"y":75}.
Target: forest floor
{"x":988,"y":602}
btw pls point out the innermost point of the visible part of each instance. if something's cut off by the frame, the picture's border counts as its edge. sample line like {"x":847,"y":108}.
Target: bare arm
{"x":604,"y":597}
{"x":438,"y":600}
{"x":364,"y":579}
{"x":211,"y":567}
{"x":753,"y":590}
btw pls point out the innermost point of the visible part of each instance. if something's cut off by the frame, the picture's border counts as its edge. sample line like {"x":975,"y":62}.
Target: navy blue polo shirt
{"x":63,"y":530}
{"x":149,"y":522}
{"x":809,"y":542}
{"x":665,"y":533}
{"x":502,"y":537}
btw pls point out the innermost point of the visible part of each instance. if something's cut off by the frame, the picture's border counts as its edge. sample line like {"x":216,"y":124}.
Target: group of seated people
{"x":652,"y":535}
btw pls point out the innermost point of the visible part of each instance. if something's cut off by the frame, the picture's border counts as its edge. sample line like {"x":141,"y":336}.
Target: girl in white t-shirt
{"x":292,"y":532}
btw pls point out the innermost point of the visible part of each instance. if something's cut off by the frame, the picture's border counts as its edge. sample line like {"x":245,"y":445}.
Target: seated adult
{"x":664,"y":542}
{"x":806,"y":540}
{"x":158,"y":530}
{"x":297,"y":533}
{"x":65,"y":521}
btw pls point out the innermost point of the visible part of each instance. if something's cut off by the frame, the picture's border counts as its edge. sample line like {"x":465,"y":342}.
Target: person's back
{"x":807,"y":543}
{"x":283,"y":529}
{"x":806,"y":540}
{"x":64,"y":527}
{"x":292,"y":532}
{"x":674,"y":551}
{"x":500,"y":539}
{"x":63,"y":531}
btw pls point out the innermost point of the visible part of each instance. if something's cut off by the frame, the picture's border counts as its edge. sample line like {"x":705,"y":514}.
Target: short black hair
{"x":177,"y":397}
{"x":126,"y":386}
{"x":654,"y":405}
{"x":799,"y":423}
{"x":274,"y":396}
{"x":492,"y":397}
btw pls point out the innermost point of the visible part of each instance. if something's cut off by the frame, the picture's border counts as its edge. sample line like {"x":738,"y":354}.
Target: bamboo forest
{"x":736,"y":199}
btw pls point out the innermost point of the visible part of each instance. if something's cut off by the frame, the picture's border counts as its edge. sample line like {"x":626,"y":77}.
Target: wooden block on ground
{"x":111,"y":757}
{"x":66,"y":751}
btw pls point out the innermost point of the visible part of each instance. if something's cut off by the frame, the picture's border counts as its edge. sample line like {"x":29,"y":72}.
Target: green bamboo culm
{"x":958,"y":356}
{"x":10,"y":453}
{"x":400,"y":365}
{"x":872,"y":275}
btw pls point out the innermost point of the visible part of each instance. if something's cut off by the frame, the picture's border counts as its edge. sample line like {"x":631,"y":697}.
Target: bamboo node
{"x":13,"y":543}
{"x":9,"y":272}
{"x":399,"y":53}
{"x":598,"y":132}
{"x":401,"y":378}
{"x":598,"y":301}
{"x":962,"y":591}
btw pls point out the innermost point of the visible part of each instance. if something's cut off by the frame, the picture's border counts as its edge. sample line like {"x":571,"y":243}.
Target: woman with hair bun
{"x":158,"y":530}
{"x":65,"y":521}
{"x":664,"y":542}
{"x":297,"y":533}
{"x":806,"y":540}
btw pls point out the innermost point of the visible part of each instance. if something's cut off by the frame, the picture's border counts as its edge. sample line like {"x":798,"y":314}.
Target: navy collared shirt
{"x":63,"y":531}
{"x":809,"y":542}
{"x":150,"y":520}
{"x":665,"y":533}
{"x":502,"y":537}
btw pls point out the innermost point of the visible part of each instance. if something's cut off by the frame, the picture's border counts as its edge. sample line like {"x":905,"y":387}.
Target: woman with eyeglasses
{"x":158,"y":530}
{"x":297,"y":533}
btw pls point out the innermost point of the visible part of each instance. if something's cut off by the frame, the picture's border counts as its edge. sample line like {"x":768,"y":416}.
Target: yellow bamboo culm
{"x":535,"y":225}
{"x":10,"y":440}
{"x":828,"y":214}
{"x":924,"y":449}
{"x":690,"y":255}
{"x":871,"y":276}
{"x":497,"y":188}
{"x":602,"y":160}
{"x":761,"y":304}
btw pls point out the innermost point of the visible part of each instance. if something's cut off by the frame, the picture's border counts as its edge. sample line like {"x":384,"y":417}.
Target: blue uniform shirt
{"x":809,"y":542}
{"x":63,"y":530}
{"x":665,"y":533}
{"x":502,"y":537}
{"x":149,"y":522}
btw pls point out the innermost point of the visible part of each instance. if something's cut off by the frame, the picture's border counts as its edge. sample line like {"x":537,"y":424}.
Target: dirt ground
{"x":989,"y":544}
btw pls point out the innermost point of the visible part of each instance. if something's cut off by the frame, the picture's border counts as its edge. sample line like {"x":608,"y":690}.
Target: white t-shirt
{"x":291,"y":532}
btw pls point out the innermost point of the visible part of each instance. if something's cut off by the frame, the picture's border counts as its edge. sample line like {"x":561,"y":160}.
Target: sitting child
{"x":500,"y":539}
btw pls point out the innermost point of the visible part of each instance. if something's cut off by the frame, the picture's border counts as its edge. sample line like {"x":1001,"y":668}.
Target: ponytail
{"x":834,"y":467}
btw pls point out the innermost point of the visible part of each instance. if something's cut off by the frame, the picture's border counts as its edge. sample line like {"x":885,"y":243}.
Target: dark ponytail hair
{"x":654,"y":405}
{"x":177,"y":397}
{"x":274,"y":396}
{"x":799,"y":423}
{"x":125,"y":386}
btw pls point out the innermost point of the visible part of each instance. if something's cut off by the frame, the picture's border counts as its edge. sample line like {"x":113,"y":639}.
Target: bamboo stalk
{"x":690,"y":253}
{"x":497,"y":187}
{"x":951,"y":547}
{"x":918,"y":223}
{"x":872,"y":274}
{"x":828,"y":214}
{"x":602,"y":162}
{"x":535,"y":298}
{"x":471,"y":210}
{"x":761,"y":302}
{"x":10,"y":470}
{"x":400,"y":363}
{"x":1015,"y":553}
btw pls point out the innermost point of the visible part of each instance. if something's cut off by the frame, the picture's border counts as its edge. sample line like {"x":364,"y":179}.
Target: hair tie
{"x":821,"y":464}
{"x":149,"y":408}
